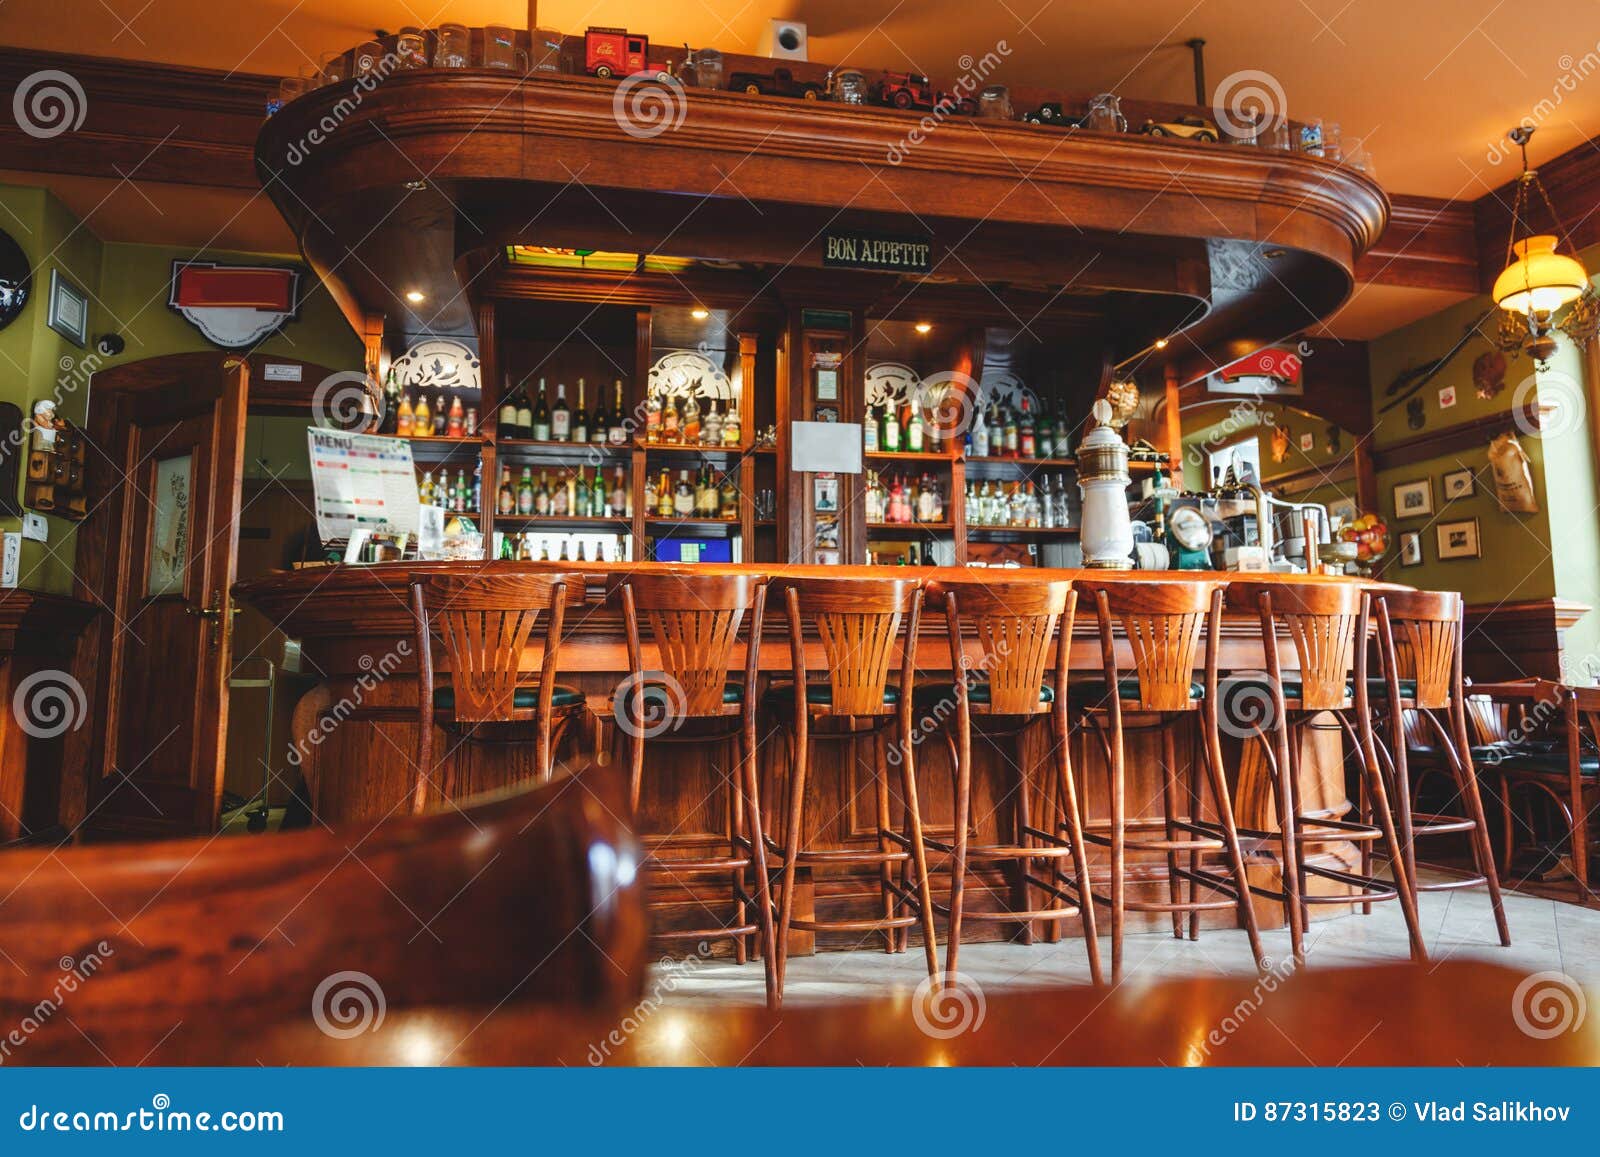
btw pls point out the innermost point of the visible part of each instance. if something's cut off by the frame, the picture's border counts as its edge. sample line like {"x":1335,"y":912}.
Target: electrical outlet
{"x":11,"y":559}
{"x":35,"y":527}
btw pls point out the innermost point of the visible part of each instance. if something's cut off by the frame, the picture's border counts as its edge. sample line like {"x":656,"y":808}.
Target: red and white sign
{"x":1270,"y":370}
{"x":235,"y":306}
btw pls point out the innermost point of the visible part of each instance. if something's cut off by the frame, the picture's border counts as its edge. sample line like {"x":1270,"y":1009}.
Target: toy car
{"x":1187,"y":128}
{"x":778,"y":82}
{"x":1051,"y":113}
{"x":609,"y":52}
{"x":912,"y":90}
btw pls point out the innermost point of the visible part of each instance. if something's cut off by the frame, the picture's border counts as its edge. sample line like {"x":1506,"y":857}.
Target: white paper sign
{"x":820,"y":447}
{"x":362,"y":481}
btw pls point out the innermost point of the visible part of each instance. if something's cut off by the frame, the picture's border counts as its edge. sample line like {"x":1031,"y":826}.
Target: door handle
{"x":213,"y":615}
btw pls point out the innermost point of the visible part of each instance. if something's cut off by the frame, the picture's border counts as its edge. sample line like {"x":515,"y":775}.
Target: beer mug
{"x":367,"y":58}
{"x":995,"y":102}
{"x":708,"y":68}
{"x":453,"y":47}
{"x":546,"y":55}
{"x":500,"y":49}
{"x":411,"y":49}
{"x":1105,"y":114}
{"x":848,"y":86}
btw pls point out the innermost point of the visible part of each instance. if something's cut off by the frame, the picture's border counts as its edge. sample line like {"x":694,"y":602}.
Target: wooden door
{"x":159,"y":551}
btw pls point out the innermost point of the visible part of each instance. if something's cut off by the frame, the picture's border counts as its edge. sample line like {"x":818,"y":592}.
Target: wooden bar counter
{"x":354,"y":735}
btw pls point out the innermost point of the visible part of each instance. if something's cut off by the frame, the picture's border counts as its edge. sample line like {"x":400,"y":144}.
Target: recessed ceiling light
{"x":1161,"y":343}
{"x":924,"y":327}
{"x":699,"y":313}
{"x":415,"y":296}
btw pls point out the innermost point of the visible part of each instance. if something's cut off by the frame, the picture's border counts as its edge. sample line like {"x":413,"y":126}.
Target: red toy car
{"x":609,"y":52}
{"x":908,"y":90}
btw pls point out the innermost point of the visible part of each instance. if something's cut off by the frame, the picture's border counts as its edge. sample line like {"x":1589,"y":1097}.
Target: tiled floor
{"x":1545,"y":934}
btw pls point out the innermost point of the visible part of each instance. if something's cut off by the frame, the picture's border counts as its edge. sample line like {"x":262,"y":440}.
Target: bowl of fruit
{"x":1361,"y":543}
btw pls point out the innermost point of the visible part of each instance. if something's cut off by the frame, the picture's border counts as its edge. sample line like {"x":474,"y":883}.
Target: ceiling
{"x":1429,"y":85}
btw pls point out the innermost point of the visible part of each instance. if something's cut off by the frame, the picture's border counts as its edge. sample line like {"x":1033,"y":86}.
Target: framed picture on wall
{"x":1459,"y":540}
{"x":1411,"y":548}
{"x":68,"y":312}
{"x":1413,"y":499}
{"x":1459,"y":484}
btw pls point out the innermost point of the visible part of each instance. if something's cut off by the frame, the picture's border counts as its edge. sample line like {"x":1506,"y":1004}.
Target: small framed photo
{"x":1413,"y":499}
{"x":1308,"y":442}
{"x":68,"y":312}
{"x":1447,"y":397}
{"x":825,"y":489}
{"x":827,"y":414}
{"x":1411,"y":548}
{"x":1459,"y":539}
{"x":1459,"y":484}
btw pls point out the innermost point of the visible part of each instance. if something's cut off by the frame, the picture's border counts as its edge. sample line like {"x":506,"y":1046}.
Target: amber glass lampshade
{"x":1539,"y":279}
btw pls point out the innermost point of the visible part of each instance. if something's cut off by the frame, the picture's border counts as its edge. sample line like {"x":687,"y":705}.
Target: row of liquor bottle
{"x":404,"y":419}
{"x":1047,"y":507}
{"x":571,"y":494}
{"x":532,"y":547}
{"x":899,"y":502}
{"x":705,"y":496}
{"x":995,"y":431}
{"x":456,"y":495}
{"x":534,"y":418}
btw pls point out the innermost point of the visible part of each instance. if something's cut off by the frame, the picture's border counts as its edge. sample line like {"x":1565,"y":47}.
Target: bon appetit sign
{"x":853,"y":249}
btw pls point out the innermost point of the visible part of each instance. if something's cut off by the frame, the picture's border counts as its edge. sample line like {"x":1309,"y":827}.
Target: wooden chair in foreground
{"x":1324,"y":622}
{"x":108,"y":951}
{"x":1419,"y":641}
{"x":1016,"y":626}
{"x":860,"y":623}
{"x":694,"y":623}
{"x":1164,"y":624}
{"x":484,"y":623}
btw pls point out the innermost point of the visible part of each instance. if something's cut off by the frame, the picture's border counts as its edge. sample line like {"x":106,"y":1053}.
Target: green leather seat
{"x":522,"y":699}
{"x":1540,"y":762}
{"x":1089,"y":689}
{"x":781,"y":697}
{"x":930,"y":693}
{"x":1293,"y":686}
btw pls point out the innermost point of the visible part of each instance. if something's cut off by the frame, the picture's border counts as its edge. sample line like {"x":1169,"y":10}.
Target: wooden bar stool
{"x":694,"y":622}
{"x":1328,"y":623}
{"x":1419,"y":638}
{"x":1015,"y":625}
{"x":485,"y":622}
{"x":858,"y":623}
{"x":1163,"y":623}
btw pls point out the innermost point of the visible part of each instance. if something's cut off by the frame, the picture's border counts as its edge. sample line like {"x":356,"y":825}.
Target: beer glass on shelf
{"x":500,"y":49}
{"x":847,"y":86}
{"x":367,"y":58}
{"x":454,"y":46}
{"x":546,"y":55}
{"x":708,"y":68}
{"x":334,"y":68}
{"x":1105,"y":114}
{"x":994,"y":102}
{"x":411,"y":49}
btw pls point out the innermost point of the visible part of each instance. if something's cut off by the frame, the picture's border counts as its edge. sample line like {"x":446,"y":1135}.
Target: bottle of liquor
{"x":421,"y":417}
{"x":508,"y":548}
{"x":691,"y":420}
{"x":599,"y":495}
{"x":913,"y":555}
{"x":391,"y":405}
{"x":524,"y":413}
{"x":540,"y":420}
{"x":456,"y":426}
{"x":652,"y":496}
{"x":869,"y":433}
{"x":425,"y":491}
{"x":664,"y":495}
{"x":441,"y":416}
{"x":889,"y":438}
{"x":671,"y":422}
{"x":525,"y":496}
{"x":1045,"y":433}
{"x":621,"y":501}
{"x":506,"y":415}
{"x":600,"y":420}
{"x":873,"y":509}
{"x":652,"y":419}
{"x":1034,"y":517}
{"x":580,"y":418}
{"x":683,"y":496}
{"x":728,"y":499}
{"x":980,"y":436}
{"x":1011,"y":438}
{"x":404,"y":424}
{"x":560,"y":416}
{"x":732,"y":434}
{"x":506,"y":500}
{"x":711,"y":426}
{"x":1047,"y":502}
{"x":705,"y":494}
{"x":617,"y":432}
{"x":1027,"y":444}
{"x":914,"y":430}
{"x":559,"y":507}
{"x":927,"y":500}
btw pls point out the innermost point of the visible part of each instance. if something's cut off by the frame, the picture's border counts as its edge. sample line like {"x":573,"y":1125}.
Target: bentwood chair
{"x":1163,"y":624}
{"x":1014,"y":627}
{"x":858,"y":623}
{"x":485,"y":624}
{"x":694,"y":621}
{"x":1328,"y":623}
{"x":1419,"y":640}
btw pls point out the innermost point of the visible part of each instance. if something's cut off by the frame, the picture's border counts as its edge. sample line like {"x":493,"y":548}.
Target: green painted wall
{"x":128,"y":290}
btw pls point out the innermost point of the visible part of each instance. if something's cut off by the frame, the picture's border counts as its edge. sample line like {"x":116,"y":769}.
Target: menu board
{"x":362,"y":482}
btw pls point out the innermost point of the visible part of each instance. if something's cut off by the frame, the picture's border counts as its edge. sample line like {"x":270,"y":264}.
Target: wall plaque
{"x":856,"y":249}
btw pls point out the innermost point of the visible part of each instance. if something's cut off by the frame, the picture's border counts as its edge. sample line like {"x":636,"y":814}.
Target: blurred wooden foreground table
{"x":1454,"y":1013}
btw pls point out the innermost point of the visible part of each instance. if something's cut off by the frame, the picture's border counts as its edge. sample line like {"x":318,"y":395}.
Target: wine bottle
{"x":506,"y":500}
{"x":524,"y":414}
{"x":617,"y":432}
{"x":541,"y":417}
{"x":580,"y":418}
{"x":560,"y":416}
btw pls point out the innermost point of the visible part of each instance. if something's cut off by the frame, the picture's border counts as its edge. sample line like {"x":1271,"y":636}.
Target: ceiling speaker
{"x":786,"y":40}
